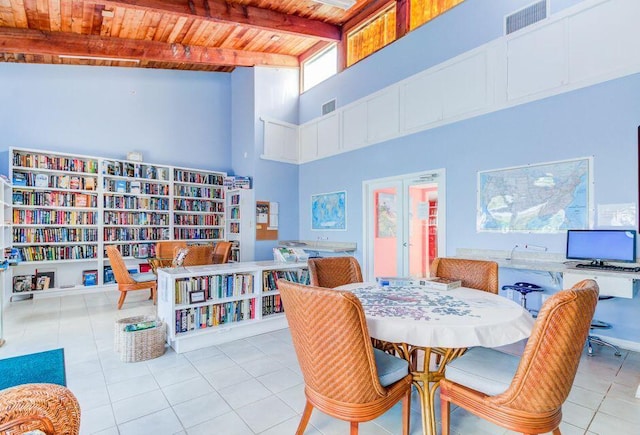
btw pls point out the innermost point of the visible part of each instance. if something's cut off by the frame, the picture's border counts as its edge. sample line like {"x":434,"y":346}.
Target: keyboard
{"x":608,"y":267}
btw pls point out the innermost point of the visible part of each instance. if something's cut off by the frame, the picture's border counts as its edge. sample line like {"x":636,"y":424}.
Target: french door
{"x":404,"y":224}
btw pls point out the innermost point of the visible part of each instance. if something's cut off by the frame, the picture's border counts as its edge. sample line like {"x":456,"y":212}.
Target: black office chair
{"x":594,"y":339}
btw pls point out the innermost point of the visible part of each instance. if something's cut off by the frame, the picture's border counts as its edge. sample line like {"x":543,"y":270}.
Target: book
{"x":82,"y":200}
{"x":19,"y":179}
{"x":89,"y":277}
{"x":42,"y":180}
{"x":121,"y":186}
{"x":74,"y":183}
{"x":134,"y":187}
{"x":443,"y":283}
{"x":44,"y":279}
{"x":89,"y":183}
{"x":63,"y":181}
{"x":23,"y":283}
{"x":108,"y":275}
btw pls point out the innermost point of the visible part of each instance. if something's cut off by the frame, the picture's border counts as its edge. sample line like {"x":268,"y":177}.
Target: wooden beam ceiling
{"x":233,"y":13}
{"x":14,"y":40}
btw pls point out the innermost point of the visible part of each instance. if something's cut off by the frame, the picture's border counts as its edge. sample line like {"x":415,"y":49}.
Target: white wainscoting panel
{"x":309,"y":142}
{"x":465,"y":85}
{"x":354,"y":126}
{"x":383,"y":115}
{"x":421,"y":100}
{"x":537,"y":61}
{"x":280,"y":141}
{"x":329,"y":135}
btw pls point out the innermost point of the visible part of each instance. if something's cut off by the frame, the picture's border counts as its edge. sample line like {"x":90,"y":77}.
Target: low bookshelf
{"x":213,"y":304}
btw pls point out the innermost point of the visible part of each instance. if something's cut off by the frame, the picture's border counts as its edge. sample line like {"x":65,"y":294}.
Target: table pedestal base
{"x":426,"y":379}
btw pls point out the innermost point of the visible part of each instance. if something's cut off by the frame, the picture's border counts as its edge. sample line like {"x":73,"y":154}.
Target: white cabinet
{"x":208,"y":305}
{"x":241,"y":225}
{"x":610,"y":285}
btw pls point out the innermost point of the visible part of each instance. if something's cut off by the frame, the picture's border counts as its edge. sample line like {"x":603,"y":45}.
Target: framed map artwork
{"x":329,"y":211}
{"x":540,"y":198}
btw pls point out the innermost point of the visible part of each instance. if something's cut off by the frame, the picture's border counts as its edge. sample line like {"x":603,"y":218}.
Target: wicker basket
{"x":142,"y":345}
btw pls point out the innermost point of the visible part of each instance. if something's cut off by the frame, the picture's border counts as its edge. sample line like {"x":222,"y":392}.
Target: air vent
{"x":525,"y":17}
{"x":329,"y":107}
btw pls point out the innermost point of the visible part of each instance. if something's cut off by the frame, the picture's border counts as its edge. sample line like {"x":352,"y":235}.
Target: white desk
{"x":611,"y":283}
{"x":418,"y":321}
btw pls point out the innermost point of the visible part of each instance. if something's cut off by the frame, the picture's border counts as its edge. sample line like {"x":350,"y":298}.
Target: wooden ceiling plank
{"x":151,"y":26}
{"x":32,"y":13}
{"x":177,"y":29}
{"x":96,"y":20}
{"x":66,"y":9}
{"x":55,"y":16}
{"x":42,"y":13}
{"x":55,"y":43}
{"x":87,"y":18}
{"x":6,"y":14}
{"x":167,"y":22}
{"x":118,"y":19}
{"x":19,"y":13}
{"x":76,"y":16}
{"x":233,"y":13}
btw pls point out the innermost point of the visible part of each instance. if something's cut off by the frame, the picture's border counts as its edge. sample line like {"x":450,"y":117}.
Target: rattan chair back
{"x":50,"y":408}
{"x":477,"y":274}
{"x":550,"y":360}
{"x":533,"y":401}
{"x":333,"y":347}
{"x":197,"y":255}
{"x":221,"y":252}
{"x":166,"y":248}
{"x":331,"y":272}
{"x":123,"y":277}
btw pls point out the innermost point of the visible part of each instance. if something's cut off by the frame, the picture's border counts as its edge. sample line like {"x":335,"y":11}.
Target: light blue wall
{"x":174,"y":117}
{"x":276,"y":97}
{"x":468,"y":25}
{"x":266,"y":92}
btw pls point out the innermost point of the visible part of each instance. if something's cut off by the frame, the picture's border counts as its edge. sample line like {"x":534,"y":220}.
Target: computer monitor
{"x":602,"y":245}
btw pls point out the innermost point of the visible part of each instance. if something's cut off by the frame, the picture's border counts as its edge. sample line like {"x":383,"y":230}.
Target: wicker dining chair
{"x":344,"y":376}
{"x":130,"y":281}
{"x":50,"y":408}
{"x":331,"y":272}
{"x":477,"y":274}
{"x":197,"y":255}
{"x":166,"y":248}
{"x":221,"y":252}
{"x":525,"y":394}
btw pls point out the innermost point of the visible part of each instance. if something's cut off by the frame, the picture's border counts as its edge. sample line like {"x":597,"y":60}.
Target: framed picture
{"x":329,"y":211}
{"x":195,"y":297}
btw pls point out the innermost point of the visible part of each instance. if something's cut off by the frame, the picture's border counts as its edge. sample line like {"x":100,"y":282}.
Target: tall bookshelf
{"x":55,"y":200}
{"x":241,"y":229}
{"x":214,"y":304}
{"x":198,"y":205}
{"x":6,"y":238}
{"x":67,"y":208}
{"x":136,"y":212}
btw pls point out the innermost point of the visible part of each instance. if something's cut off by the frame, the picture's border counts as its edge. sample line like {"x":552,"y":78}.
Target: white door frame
{"x":404,"y":180}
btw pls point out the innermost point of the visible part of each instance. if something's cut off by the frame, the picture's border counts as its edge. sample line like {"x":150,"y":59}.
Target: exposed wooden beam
{"x":372,"y":9}
{"x":403,"y":18}
{"x":56,"y":43}
{"x":222,"y":11}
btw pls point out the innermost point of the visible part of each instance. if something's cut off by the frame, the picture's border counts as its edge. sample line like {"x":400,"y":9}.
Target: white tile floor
{"x":251,"y":386}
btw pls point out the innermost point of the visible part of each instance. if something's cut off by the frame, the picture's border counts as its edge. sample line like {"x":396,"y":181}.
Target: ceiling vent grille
{"x":329,"y":107}
{"x":525,"y":17}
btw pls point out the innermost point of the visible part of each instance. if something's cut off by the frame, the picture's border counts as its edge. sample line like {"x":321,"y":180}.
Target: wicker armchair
{"x":525,"y":395}
{"x":481,"y":275}
{"x":221,"y":252}
{"x":331,"y":272}
{"x":130,"y":281}
{"x":50,"y":408}
{"x":344,"y":377}
{"x":197,"y":255}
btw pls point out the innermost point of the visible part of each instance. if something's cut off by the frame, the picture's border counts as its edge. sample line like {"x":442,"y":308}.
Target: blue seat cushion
{"x":390,"y":368}
{"x":482,"y":369}
{"x":144,"y":277}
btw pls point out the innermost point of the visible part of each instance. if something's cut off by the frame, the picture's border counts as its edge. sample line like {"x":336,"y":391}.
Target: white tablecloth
{"x":457,"y":318}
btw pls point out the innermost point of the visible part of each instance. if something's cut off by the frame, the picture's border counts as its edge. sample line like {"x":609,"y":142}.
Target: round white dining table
{"x":460,"y":317}
{"x":418,"y":322}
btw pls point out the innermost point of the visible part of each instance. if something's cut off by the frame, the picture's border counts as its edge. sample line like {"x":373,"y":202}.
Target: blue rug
{"x":42,"y":367}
